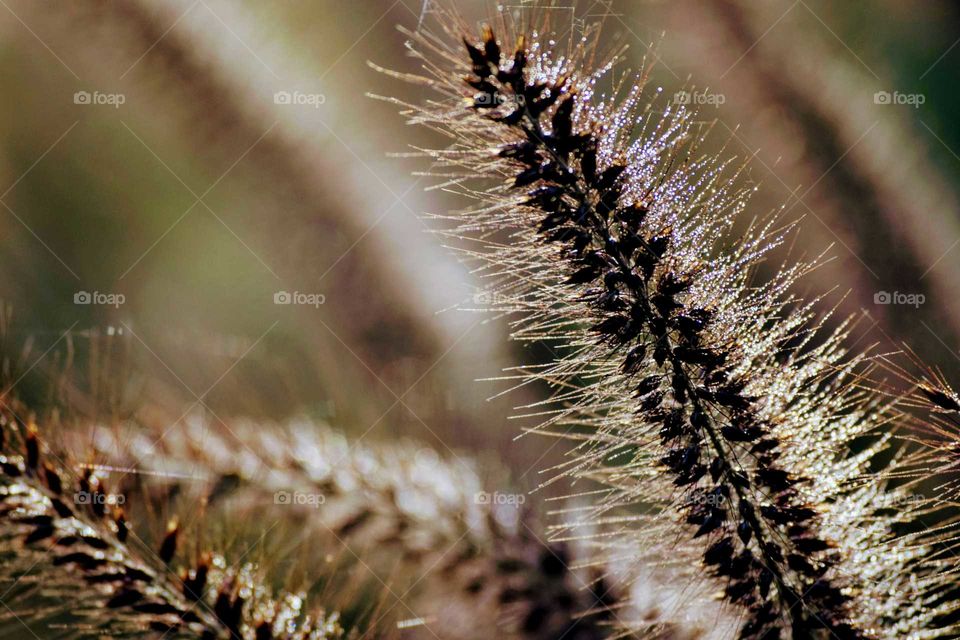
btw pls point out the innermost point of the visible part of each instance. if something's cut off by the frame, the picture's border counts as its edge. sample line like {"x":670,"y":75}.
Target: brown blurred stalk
{"x":866,"y":182}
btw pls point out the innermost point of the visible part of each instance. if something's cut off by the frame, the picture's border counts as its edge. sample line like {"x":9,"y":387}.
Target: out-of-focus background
{"x":199,"y":211}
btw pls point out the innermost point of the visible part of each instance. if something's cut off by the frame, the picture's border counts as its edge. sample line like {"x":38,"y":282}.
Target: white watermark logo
{"x":895,"y":97}
{"x":300,"y":499}
{"x":886,"y":297}
{"x":98,"y":298}
{"x":297,"y":297}
{"x":498,"y":99}
{"x":497,"y":498}
{"x":495,"y":298}
{"x":711,"y":499}
{"x":111,"y":499}
{"x":701,"y":98}
{"x":314,"y":100}
{"x":111,"y":99}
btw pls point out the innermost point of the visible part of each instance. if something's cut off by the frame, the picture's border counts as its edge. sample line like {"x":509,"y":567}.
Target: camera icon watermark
{"x":297,"y":297}
{"x":888,"y":298}
{"x":699,"y":98}
{"x":299,"y":499}
{"x":298,"y":98}
{"x":97,"y":98}
{"x":497,"y":498}
{"x":109,"y":499}
{"x":895,"y":97}
{"x":98,"y":298}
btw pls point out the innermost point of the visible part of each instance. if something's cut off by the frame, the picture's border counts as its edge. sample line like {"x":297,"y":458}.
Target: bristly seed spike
{"x":626,"y":243}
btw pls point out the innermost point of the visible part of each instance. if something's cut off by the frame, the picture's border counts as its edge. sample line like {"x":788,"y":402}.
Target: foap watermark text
{"x":99,"y":298}
{"x":700,"y":98}
{"x":299,"y":98}
{"x":896,"y":297}
{"x":97,"y":98}
{"x":95,"y":497}
{"x":298,"y":297}
{"x":299,"y":498}
{"x":895,"y":97}
{"x":497,"y":498}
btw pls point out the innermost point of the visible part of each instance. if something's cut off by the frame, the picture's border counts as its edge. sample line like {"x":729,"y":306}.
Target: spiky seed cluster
{"x":668,"y":358}
{"x":75,"y":562}
{"x":403,"y":501}
{"x":703,"y":412}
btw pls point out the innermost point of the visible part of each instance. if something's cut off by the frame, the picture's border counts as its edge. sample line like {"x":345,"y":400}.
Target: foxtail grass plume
{"x":718,"y":413}
{"x":454,"y":549}
{"x":72,"y":566}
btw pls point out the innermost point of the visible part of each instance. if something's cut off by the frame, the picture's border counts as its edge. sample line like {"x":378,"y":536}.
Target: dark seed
{"x":124,"y":599}
{"x":169,"y":545}
{"x":718,"y":552}
{"x":40,"y":533}
{"x":941,"y":399}
{"x":745,"y":531}
{"x":52,"y":479}
{"x":491,"y":49}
